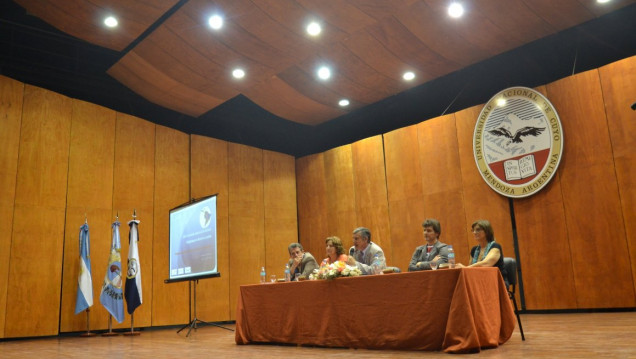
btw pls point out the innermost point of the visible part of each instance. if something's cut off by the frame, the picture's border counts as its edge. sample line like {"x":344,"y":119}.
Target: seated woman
{"x":487,"y":252}
{"x":335,"y":251}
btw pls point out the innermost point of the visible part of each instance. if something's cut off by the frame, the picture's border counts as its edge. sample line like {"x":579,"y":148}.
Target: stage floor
{"x":580,"y":335}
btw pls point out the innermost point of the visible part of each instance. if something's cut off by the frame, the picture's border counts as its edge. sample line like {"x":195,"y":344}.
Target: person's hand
{"x":436,"y":259}
{"x":351,"y":261}
{"x":459,"y":265}
{"x":297,"y":260}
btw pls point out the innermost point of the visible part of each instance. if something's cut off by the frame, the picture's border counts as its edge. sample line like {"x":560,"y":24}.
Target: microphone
{"x":351,"y":250}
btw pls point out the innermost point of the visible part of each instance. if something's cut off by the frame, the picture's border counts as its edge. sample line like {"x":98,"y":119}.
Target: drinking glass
{"x":433,"y":265}
{"x":272,"y":278}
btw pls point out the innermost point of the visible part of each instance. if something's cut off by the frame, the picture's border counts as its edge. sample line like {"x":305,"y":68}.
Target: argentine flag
{"x":133,"y":277}
{"x":84,"y":280}
{"x":111,"y":297}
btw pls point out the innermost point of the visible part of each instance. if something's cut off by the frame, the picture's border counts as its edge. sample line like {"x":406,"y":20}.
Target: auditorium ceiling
{"x":249,"y":71}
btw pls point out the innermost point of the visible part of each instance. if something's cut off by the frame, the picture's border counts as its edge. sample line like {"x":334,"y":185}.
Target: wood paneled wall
{"x":37,"y":240}
{"x":619,"y":90}
{"x":172,"y":188}
{"x":89,"y":198}
{"x":209,"y":170}
{"x":64,"y":161}
{"x":11,"y":97}
{"x":593,"y":214}
{"x":577,"y":237}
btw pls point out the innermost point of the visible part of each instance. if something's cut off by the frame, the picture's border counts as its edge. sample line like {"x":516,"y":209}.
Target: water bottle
{"x":376,"y":265}
{"x":451,"y":257}
{"x":263,"y":275}
{"x":287,"y":273}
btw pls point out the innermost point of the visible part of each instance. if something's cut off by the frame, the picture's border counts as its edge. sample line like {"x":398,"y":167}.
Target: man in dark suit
{"x":365,"y":254}
{"x":433,"y":250}
{"x":301,"y":263}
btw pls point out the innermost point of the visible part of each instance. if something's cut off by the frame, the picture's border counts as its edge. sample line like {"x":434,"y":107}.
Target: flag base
{"x":109,"y":334}
{"x":88,"y":335}
{"x":132,"y":333}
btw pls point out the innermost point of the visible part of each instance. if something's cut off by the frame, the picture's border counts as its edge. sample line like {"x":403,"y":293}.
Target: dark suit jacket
{"x":420,"y":255}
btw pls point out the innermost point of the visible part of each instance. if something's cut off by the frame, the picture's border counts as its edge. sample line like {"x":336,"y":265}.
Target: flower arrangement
{"x":335,"y":270}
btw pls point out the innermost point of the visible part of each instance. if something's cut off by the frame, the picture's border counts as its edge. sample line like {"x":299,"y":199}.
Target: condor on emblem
{"x":518,"y":142}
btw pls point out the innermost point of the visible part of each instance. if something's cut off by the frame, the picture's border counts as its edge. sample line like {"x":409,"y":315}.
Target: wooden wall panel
{"x":372,"y":207}
{"x":172,"y":166}
{"x":90,"y":198}
{"x":311,"y":192}
{"x":33,"y":302}
{"x":618,"y":81}
{"x":442,"y":181}
{"x":11,"y":93}
{"x":210,"y":176}
{"x":590,"y":191}
{"x":281,"y":222}
{"x":341,"y":201}
{"x":133,"y":191}
{"x":480,"y":201}
{"x":246,"y":221}
{"x":544,"y":249}
{"x":539,"y":217}
{"x":405,"y":193}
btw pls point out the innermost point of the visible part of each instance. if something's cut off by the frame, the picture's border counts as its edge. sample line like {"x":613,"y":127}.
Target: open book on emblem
{"x":521,"y":168}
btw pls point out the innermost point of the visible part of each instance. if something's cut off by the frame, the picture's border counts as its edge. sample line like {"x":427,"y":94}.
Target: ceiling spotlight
{"x":343,"y":103}
{"x":215,"y":22}
{"x":455,"y":10}
{"x":110,"y":21}
{"x":408,"y":76}
{"x":602,"y":1}
{"x":314,"y":28}
{"x":238,"y":73}
{"x":324,"y":73}
{"x":501,"y":102}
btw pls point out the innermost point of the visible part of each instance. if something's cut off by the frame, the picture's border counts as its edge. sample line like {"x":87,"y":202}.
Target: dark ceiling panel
{"x":178,"y":62}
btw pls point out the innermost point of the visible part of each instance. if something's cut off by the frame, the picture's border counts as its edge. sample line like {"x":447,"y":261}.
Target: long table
{"x":455,"y":310}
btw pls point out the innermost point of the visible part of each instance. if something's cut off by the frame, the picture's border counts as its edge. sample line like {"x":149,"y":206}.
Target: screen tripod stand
{"x":195,"y":322}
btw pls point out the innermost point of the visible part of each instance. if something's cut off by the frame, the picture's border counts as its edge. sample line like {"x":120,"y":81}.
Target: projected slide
{"x":193,"y":239}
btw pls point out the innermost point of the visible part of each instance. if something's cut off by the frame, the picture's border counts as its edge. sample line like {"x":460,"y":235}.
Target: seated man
{"x":364,"y":252}
{"x":433,"y":250}
{"x":301,"y":263}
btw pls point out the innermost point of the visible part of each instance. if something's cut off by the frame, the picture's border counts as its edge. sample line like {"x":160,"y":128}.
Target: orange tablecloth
{"x":457,"y":310}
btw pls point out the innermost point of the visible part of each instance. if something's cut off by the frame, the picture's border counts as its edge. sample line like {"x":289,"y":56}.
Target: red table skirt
{"x":455,"y":310}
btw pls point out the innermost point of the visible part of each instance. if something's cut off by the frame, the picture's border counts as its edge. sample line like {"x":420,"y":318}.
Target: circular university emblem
{"x":518,"y":142}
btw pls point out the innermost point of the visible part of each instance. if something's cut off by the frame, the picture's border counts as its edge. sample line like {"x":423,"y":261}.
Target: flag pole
{"x":85,"y":283}
{"x":88,"y":326}
{"x":132,"y":327}
{"x":132,"y":331}
{"x":110,"y":332}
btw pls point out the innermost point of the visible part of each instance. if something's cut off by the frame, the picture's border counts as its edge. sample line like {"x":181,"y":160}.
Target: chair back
{"x":510,"y":264}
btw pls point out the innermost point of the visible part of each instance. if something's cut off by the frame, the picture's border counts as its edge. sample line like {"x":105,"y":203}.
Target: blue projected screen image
{"x":193,"y":239}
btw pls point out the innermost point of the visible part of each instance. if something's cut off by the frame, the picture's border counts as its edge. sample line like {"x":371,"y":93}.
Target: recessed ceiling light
{"x":343,"y":103}
{"x":110,"y":21}
{"x":314,"y":28}
{"x":238,"y":73}
{"x":602,"y":1}
{"x":455,"y":10}
{"x":324,"y":72}
{"x":215,"y":22}
{"x":408,"y":76}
